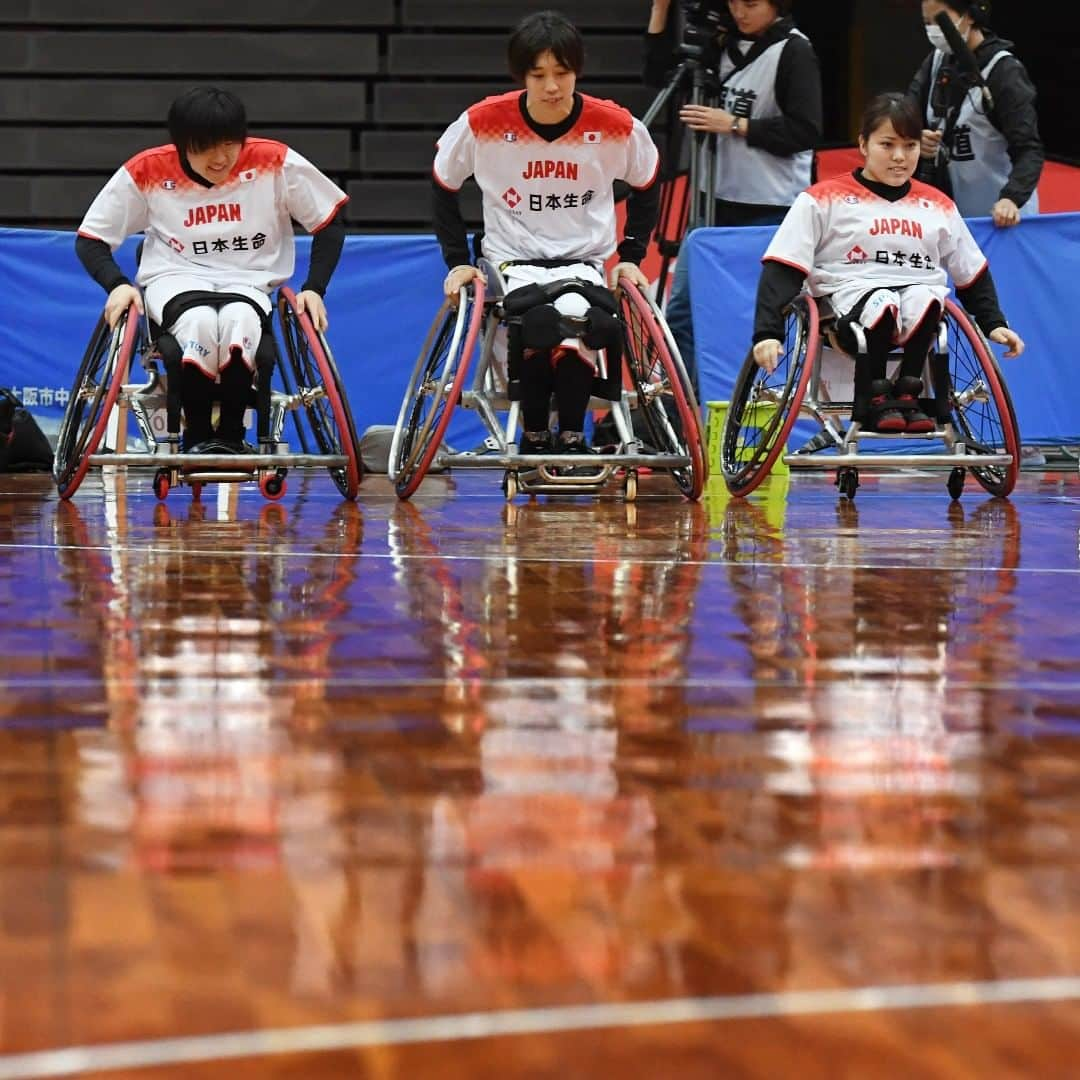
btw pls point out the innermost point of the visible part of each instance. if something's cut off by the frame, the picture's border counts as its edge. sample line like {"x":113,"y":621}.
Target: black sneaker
{"x":573,"y":442}
{"x":884,"y":415}
{"x":908,"y":390}
{"x":220,"y":446}
{"x":535,"y":442}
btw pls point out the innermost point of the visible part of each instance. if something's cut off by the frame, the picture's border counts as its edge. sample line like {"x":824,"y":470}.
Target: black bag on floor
{"x":23,"y":445}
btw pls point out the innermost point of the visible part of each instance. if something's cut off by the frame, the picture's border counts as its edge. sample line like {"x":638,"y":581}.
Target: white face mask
{"x":938,"y":39}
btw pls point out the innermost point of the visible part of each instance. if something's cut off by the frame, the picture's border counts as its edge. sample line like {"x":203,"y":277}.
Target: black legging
{"x":570,"y":379}
{"x":879,"y":344}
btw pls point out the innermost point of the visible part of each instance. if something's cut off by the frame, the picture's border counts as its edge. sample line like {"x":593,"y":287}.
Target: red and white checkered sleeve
{"x":455,"y":154}
{"x":118,"y":211}
{"x":643,"y":159}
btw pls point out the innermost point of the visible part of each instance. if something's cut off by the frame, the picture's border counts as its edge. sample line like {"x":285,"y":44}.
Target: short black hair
{"x":899,"y":109}
{"x":205,"y":116}
{"x":545,"y":31}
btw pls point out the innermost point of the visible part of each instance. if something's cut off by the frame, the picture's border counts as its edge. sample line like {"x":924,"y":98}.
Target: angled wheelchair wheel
{"x":981,"y":406}
{"x":319,"y":384}
{"x":664,"y":393}
{"x":435,"y":388}
{"x":765,"y":405}
{"x":97,"y":385}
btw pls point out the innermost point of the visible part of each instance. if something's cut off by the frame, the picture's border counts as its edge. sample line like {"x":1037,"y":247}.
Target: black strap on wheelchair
{"x":185,"y":301}
{"x":534,"y":322}
{"x":548,"y":264}
{"x":519,"y":300}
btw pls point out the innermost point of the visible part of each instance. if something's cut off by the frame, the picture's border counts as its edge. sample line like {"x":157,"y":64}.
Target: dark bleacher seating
{"x":362,"y":89}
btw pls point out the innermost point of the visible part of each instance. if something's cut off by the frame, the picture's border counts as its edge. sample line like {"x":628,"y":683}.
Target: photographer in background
{"x":765,"y":78}
{"x":984,"y":151}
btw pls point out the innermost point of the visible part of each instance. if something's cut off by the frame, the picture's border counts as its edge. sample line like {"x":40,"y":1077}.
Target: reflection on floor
{"x":296,"y":764}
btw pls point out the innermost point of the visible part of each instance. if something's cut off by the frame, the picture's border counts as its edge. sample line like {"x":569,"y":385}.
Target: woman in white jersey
{"x":545,"y":159}
{"x":882,"y":248}
{"x":982,"y":148}
{"x":217,"y":210}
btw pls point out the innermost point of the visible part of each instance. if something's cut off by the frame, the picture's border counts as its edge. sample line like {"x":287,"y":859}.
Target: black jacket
{"x":1013,"y":113}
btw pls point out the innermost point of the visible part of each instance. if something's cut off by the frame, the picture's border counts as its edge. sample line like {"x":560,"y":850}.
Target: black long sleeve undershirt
{"x":642,"y":212}
{"x":97,"y":259}
{"x":326,"y":247}
{"x":326,"y":244}
{"x":450,"y":228}
{"x":780,"y":283}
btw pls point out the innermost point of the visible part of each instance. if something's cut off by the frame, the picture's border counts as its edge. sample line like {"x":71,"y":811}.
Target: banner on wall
{"x":1035,"y":265}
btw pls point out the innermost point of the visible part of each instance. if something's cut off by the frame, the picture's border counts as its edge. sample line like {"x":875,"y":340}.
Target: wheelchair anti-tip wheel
{"x":981,"y":406}
{"x":97,"y":385}
{"x":765,"y":405}
{"x":847,"y":480}
{"x":435,"y":388}
{"x":318,"y":382}
{"x":664,"y":394}
{"x":272,"y":484}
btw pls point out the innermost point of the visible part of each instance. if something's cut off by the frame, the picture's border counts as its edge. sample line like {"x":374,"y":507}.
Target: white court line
{"x":763,"y":564}
{"x":544,"y":1021}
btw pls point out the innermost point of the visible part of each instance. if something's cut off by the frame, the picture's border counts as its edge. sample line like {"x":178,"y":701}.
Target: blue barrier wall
{"x":387,"y":288}
{"x":1036,"y":268}
{"x":381,"y":300}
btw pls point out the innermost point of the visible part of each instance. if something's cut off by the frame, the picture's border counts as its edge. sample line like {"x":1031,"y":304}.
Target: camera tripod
{"x":688,"y":204}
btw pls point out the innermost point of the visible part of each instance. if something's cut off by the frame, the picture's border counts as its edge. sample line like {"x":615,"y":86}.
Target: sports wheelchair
{"x":653,"y":409}
{"x":311,"y":392}
{"x":975,"y":427}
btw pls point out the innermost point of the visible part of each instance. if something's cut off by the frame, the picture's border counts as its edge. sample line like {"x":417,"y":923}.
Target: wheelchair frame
{"x":981,"y":435}
{"x":101,"y":399}
{"x":659,"y":387}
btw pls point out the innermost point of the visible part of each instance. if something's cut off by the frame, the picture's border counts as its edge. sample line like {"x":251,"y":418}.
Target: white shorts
{"x":908,"y":303}
{"x":207,"y":337}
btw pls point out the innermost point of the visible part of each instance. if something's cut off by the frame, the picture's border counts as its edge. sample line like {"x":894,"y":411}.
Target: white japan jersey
{"x":238,"y":232}
{"x":546,"y":200}
{"x":841,"y":235}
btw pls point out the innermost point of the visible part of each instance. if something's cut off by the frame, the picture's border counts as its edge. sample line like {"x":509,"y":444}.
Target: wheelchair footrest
{"x":233,"y":462}
{"x":527,"y":461}
{"x":896,"y":461}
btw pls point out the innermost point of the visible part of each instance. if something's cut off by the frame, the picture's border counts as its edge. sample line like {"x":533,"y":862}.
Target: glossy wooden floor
{"x":783,"y":787}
